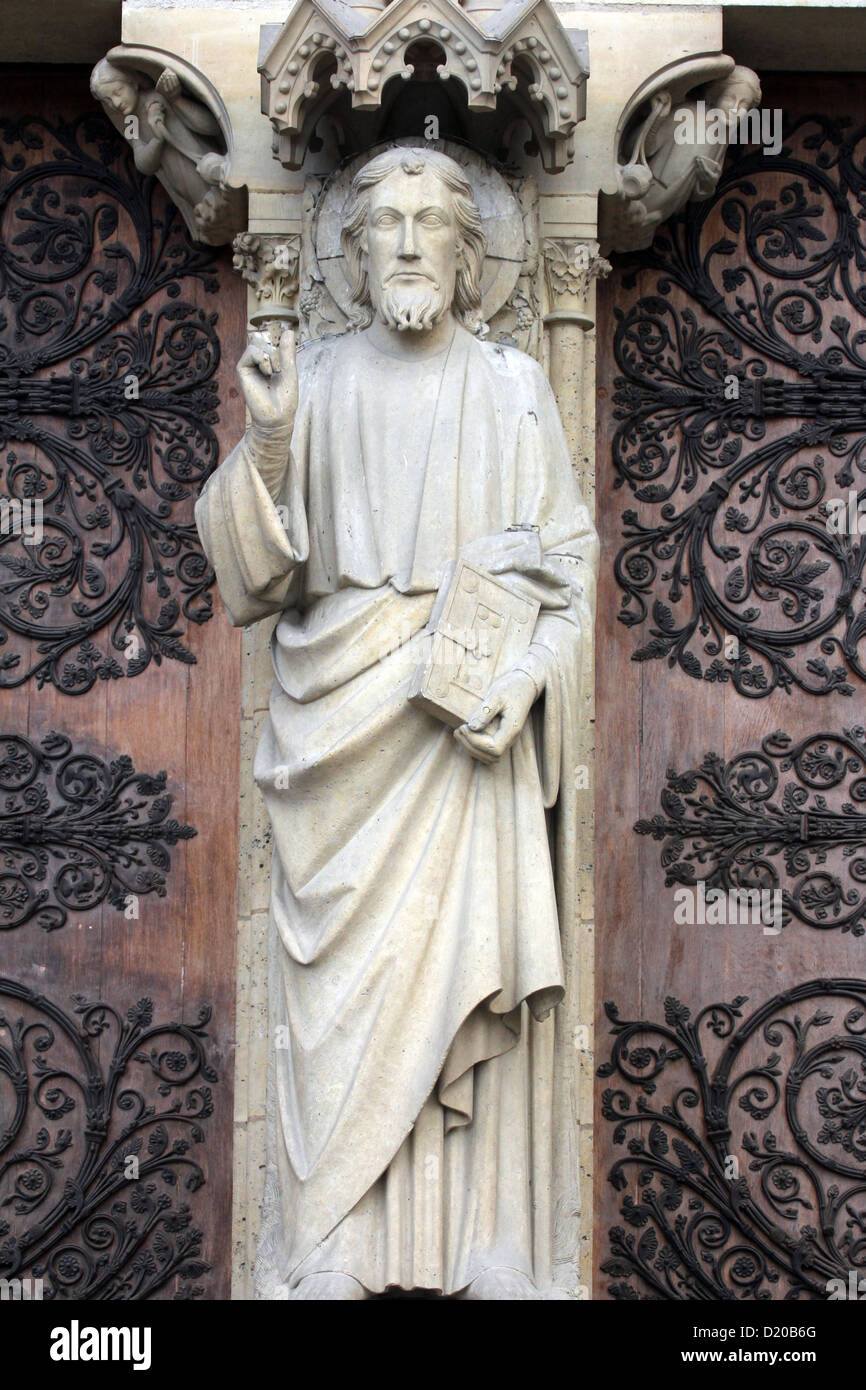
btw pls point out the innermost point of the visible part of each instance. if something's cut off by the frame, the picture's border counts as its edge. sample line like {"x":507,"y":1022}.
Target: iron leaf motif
{"x":96,"y":1172}
{"x":728,"y":558}
{"x":791,"y":814}
{"x":690,"y":1096}
{"x":107,"y":410}
{"x":76,"y":831}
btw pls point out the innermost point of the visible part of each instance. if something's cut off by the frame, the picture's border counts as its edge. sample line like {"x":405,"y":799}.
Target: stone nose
{"x":407,"y":245}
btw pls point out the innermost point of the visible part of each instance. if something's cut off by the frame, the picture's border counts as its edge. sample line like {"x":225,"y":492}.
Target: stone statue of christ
{"x":421,"y":874}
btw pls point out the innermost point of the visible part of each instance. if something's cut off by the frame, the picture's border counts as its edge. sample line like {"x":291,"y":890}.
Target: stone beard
{"x":415,"y":309}
{"x":416,"y":953}
{"x":415,"y":304}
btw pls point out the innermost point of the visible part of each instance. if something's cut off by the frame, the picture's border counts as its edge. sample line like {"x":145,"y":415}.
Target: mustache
{"x":413,"y":274}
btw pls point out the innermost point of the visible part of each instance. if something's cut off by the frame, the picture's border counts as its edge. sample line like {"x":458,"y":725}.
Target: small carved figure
{"x":663,"y":172}
{"x":177,"y":139}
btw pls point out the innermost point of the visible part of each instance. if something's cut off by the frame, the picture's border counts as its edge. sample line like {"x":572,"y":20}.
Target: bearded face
{"x":414,"y":304}
{"x":411,"y":249}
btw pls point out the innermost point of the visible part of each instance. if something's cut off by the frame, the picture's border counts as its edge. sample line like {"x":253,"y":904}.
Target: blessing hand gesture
{"x":269,"y":380}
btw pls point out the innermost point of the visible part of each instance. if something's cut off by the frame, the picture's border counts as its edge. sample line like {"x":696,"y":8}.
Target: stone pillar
{"x":269,"y":265}
{"x":572,"y":265}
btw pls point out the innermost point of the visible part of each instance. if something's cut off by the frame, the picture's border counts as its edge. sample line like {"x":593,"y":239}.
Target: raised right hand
{"x":269,"y":380}
{"x":168,"y":84}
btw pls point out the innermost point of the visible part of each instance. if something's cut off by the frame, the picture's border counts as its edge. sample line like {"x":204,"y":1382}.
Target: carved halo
{"x":499,"y":208}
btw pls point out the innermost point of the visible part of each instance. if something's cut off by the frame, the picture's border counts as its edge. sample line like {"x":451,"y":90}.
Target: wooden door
{"x":730,"y":1146}
{"x":119,"y":709}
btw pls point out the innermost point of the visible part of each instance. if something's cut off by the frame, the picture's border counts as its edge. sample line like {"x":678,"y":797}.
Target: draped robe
{"x":416,"y":948}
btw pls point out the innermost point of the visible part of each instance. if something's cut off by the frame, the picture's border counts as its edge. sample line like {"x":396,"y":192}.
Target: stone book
{"x":480,"y":628}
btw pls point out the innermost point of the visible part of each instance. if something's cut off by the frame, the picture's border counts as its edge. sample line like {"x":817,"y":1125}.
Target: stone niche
{"x":483,"y":74}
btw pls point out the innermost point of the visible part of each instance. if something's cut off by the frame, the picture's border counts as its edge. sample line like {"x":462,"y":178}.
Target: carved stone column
{"x":572,"y":265}
{"x":269,"y":265}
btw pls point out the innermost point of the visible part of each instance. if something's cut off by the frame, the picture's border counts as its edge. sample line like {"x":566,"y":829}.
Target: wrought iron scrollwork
{"x":723,"y":1210}
{"x":75,"y":831}
{"x":731,"y":557}
{"x":107,"y":411}
{"x":743,"y":825}
{"x":99,"y":1115}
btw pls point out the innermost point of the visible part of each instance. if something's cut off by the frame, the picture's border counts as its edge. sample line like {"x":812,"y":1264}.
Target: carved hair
{"x":472,"y":244}
{"x":105,"y":74}
{"x":738,"y":78}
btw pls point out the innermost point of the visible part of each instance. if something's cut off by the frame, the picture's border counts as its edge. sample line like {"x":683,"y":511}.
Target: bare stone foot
{"x":503,"y":1284}
{"x":333,"y":1288}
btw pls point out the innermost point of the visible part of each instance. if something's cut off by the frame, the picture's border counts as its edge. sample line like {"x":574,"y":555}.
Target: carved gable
{"x":519,"y":59}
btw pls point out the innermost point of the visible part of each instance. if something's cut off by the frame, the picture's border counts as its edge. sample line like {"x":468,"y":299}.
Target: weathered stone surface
{"x":417,"y":941}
